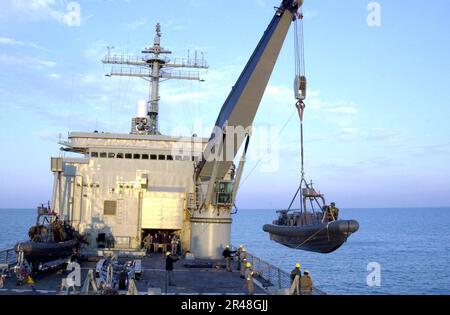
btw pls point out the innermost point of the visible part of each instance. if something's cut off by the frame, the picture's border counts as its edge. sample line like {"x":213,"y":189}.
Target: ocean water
{"x":412,"y":247}
{"x":14,"y":225}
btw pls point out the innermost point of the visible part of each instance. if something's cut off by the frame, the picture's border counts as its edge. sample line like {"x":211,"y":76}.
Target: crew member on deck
{"x":238,"y":255}
{"x":249,"y":279}
{"x":156,"y":242}
{"x":306,"y":283}
{"x":296,"y":276}
{"x":170,"y":260}
{"x":243,"y":259}
{"x":147,"y":243}
{"x":227,"y":255}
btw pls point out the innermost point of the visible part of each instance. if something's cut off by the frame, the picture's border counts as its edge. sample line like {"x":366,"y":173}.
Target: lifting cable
{"x":300,"y":95}
{"x":299,"y":48}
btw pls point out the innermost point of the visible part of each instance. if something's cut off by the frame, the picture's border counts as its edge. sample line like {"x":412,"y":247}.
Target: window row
{"x":137,"y":156}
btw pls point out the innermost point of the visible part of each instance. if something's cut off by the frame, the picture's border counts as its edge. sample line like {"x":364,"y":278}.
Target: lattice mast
{"x":154,"y":66}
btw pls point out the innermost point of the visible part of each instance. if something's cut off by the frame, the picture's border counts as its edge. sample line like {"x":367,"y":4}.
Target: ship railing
{"x":273,"y":277}
{"x":8,"y":257}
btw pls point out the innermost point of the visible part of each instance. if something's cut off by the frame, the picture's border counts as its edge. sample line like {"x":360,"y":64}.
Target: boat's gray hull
{"x":319,"y":238}
{"x":46,"y":252}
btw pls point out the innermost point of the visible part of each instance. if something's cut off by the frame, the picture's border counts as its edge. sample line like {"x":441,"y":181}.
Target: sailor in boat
{"x":331,"y":212}
{"x":334,"y":211}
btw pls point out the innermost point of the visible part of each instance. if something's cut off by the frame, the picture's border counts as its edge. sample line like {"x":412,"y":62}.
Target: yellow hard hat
{"x":297,"y":265}
{"x":228,"y":246}
{"x":241,"y":246}
{"x":244,"y":250}
{"x":248,"y":265}
{"x":30,"y":280}
{"x":168,"y":253}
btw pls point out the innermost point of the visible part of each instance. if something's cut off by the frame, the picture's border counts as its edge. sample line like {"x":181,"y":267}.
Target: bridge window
{"x":178,"y":158}
{"x":137,"y":156}
{"x":94,"y":154}
{"x":170,"y":157}
{"x":120,"y":155}
{"x":111,"y":155}
{"x":145,"y":156}
{"x":128,"y":156}
{"x":103,"y":155}
{"x":153,"y":157}
{"x":224,"y":193}
{"x":161,"y":157}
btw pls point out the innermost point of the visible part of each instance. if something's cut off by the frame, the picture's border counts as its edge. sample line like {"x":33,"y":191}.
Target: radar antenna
{"x":153,"y":66}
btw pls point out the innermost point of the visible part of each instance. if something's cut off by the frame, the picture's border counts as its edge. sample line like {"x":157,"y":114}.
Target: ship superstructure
{"x":127,"y":185}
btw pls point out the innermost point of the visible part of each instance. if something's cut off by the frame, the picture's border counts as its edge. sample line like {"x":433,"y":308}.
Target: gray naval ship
{"x":126,"y":189}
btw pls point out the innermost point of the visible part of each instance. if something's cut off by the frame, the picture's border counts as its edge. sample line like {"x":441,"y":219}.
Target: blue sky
{"x":376,"y":124}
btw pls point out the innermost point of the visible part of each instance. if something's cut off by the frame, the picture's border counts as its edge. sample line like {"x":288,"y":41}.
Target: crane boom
{"x":239,"y":109}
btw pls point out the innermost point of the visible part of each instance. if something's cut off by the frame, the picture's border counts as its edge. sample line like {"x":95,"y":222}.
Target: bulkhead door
{"x":162,"y":211}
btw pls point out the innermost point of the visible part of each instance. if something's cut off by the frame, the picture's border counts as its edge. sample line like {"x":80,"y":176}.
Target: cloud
{"x":283,"y":94}
{"x":355,"y":168}
{"x":261,"y":3}
{"x":14,"y":42}
{"x":335,"y":107}
{"x":347,"y":134}
{"x":96,"y":51}
{"x":54,"y":76}
{"x":432,"y":149}
{"x":342,"y":109}
{"x":171,"y":25}
{"x":9,"y":41}
{"x":62,"y":11}
{"x":49,"y":136}
{"x":388,"y":136}
{"x":173,"y":98}
{"x":26,"y":61}
{"x":70,"y":119}
{"x":310,"y":14}
{"x":378,"y":136}
{"x":88,"y":78}
{"x":313,"y":100}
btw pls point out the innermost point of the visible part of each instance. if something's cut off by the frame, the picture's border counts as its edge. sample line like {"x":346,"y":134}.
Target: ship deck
{"x":187,"y":280}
